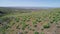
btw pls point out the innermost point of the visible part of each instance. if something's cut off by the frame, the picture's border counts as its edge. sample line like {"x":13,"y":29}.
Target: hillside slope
{"x":34,"y":22}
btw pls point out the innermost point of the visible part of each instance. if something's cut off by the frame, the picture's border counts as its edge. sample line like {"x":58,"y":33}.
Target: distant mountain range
{"x":29,"y":7}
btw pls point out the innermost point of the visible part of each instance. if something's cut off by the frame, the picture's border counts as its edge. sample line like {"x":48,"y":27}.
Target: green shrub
{"x":34,"y":22}
{"x":6,"y":26}
{"x":51,"y":21}
{"x":23,"y":28}
{"x":17,"y":19}
{"x":4,"y":29}
{"x":27,"y":19}
{"x":36,"y":32}
{"x":46,"y":25}
{"x":38,"y":20}
{"x":24,"y":25}
{"x":42,"y":32}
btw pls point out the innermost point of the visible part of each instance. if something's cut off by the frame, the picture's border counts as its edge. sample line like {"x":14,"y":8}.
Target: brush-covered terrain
{"x":29,"y":21}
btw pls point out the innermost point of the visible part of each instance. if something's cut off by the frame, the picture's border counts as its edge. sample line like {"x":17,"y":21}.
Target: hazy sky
{"x":30,"y":3}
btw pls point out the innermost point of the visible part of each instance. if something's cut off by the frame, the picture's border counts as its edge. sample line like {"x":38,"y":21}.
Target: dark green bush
{"x":51,"y":21}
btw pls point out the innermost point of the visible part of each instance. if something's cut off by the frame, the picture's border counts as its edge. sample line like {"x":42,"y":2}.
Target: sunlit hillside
{"x":29,"y":21}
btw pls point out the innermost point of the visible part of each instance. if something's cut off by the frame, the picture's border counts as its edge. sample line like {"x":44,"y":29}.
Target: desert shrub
{"x":42,"y":32}
{"x":36,"y":32}
{"x":23,"y":28}
{"x":42,"y":29}
{"x":34,"y":22}
{"x":17,"y":19}
{"x":25,"y":32}
{"x":33,"y":29}
{"x":38,"y":19}
{"x":46,"y":25}
{"x":27,"y":19}
{"x":58,"y":26}
{"x":23,"y":19}
{"x":24,"y":25}
{"x":51,"y":22}
{"x":17,"y":27}
{"x":28,"y":27}
{"x":4,"y":29}
{"x":6,"y":19}
{"x":6,"y":26}
{"x":13,"y":23}
{"x":20,"y":32}
{"x":35,"y":25}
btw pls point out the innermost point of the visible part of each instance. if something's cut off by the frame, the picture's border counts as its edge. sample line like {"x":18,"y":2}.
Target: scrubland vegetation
{"x":28,"y":21}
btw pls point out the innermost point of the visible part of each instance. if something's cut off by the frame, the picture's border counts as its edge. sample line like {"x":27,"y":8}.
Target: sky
{"x":29,"y":3}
